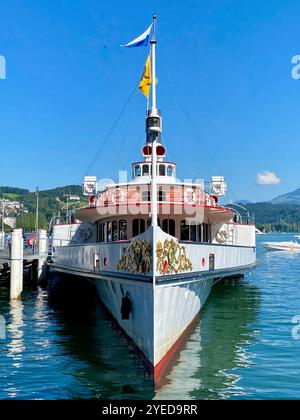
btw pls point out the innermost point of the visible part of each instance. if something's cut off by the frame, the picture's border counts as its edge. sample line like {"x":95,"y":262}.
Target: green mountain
{"x":275,"y":217}
{"x":289,"y":198}
{"x":50,"y":203}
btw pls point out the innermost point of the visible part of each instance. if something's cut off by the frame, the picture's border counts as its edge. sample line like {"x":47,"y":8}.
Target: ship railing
{"x":137,"y":202}
{"x":63,"y":242}
{"x":182,"y":194}
{"x":240,"y":218}
{"x":66,"y":242}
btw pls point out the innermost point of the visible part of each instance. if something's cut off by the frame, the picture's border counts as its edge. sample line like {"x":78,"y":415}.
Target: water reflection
{"x":15,"y":343}
{"x":62,"y":344}
{"x":218,"y":346}
{"x":109,"y":367}
{"x":204,"y":367}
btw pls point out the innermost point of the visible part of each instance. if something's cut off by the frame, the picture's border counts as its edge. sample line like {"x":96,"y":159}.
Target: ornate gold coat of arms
{"x":171,"y":257}
{"x":137,"y":258}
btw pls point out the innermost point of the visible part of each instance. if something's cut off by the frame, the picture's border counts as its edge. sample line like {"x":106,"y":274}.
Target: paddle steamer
{"x":154,"y":246}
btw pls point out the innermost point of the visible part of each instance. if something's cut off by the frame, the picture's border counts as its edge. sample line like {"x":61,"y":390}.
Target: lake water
{"x":60,"y":343}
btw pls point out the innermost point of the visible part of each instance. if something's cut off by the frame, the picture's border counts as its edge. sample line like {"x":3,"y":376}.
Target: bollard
{"x":16,"y":269}
{"x":43,"y":254}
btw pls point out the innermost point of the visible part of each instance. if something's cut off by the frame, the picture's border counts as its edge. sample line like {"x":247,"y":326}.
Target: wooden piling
{"x":16,"y":270}
{"x":43,"y":254}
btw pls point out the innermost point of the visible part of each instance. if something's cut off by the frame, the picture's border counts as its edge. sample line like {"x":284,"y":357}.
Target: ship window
{"x":206,"y":233}
{"x":188,"y":231}
{"x":145,"y":170}
{"x":100,"y":232}
{"x":193,"y":231}
{"x":170,"y":170}
{"x":103,"y":232}
{"x":162,"y":170}
{"x":184,"y":231}
{"x":137,"y":170}
{"x":204,"y":238}
{"x":135,"y":227}
{"x":168,"y":226}
{"x":122,"y":230}
{"x":138,"y":227}
{"x":199,"y":228}
{"x":172,"y":227}
{"x":142,"y":225}
{"x":165,"y":225}
{"x":161,"y":194}
{"x":108,"y":232}
{"x":114,"y":230}
{"x":153,"y":122}
{"x":146,"y":196}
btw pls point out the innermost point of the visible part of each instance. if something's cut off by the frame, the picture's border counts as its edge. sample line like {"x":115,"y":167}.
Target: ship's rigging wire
{"x":190,"y":121}
{"x":105,"y":139}
{"x":123,"y":109}
{"x":124,"y":136}
{"x":135,"y":147}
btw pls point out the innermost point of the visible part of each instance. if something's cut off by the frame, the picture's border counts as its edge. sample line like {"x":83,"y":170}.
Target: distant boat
{"x":282,"y":246}
{"x":259,"y":232}
{"x":297,"y":236}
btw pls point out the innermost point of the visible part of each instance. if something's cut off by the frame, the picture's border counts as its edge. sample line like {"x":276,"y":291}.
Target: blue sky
{"x":227,"y":62}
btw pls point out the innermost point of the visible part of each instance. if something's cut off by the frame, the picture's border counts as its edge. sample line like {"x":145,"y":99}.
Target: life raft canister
{"x":126,"y":307}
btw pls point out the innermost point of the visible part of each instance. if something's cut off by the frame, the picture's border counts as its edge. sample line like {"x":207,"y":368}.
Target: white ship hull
{"x":139,"y":326}
{"x":176,"y":306}
{"x":160,"y":315}
{"x":163,"y":305}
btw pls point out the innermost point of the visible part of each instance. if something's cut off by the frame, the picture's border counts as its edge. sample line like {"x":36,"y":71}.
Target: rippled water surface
{"x":60,"y":343}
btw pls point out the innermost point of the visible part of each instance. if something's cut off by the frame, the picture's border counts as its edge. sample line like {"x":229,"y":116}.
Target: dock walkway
{"x":5,"y":261}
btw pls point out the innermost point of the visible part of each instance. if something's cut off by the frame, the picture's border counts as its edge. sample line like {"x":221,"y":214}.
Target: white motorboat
{"x":282,"y":246}
{"x":259,"y":232}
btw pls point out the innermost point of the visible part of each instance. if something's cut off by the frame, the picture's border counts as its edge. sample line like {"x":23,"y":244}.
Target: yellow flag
{"x":146,"y":80}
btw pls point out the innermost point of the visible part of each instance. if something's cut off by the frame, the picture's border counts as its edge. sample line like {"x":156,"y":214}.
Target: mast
{"x":152,"y":133}
{"x":153,"y":56}
{"x":2,"y":224}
